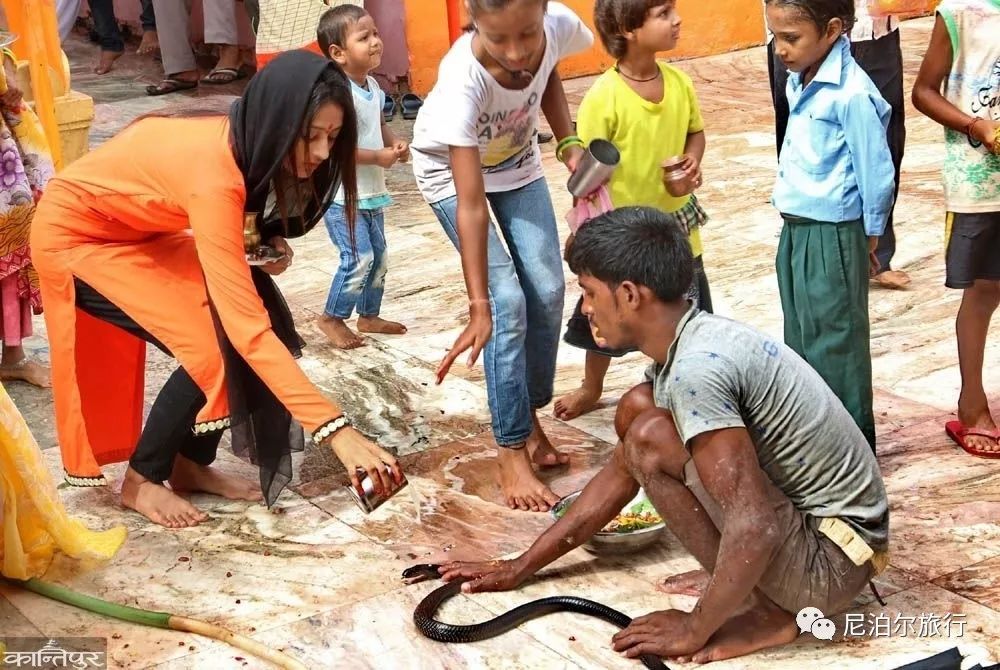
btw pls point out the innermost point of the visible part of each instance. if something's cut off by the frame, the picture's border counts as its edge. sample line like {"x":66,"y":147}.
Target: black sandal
{"x":170,"y":85}
{"x":222,"y":76}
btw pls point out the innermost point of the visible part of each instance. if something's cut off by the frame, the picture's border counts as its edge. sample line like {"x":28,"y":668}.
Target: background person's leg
{"x":179,"y":64}
{"x":882,"y":59}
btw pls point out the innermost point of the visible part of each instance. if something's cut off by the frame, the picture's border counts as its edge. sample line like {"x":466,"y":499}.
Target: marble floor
{"x":320,"y":580}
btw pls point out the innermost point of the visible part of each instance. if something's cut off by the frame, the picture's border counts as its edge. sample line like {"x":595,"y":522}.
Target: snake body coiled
{"x":429,"y":627}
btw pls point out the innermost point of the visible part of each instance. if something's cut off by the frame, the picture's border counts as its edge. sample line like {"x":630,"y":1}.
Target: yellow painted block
{"x":74,"y":115}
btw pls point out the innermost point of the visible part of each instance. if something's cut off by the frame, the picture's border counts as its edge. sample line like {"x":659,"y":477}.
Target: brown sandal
{"x":170,"y":85}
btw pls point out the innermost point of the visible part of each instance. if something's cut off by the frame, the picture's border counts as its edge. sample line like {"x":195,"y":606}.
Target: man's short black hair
{"x":638,"y":244}
{"x":334,"y":23}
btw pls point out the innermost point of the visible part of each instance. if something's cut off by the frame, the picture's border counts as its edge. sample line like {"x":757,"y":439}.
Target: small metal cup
{"x":595,"y":168}
{"x":368,"y":500}
{"x":673,"y":171}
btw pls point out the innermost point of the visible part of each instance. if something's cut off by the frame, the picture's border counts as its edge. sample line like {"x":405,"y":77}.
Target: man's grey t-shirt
{"x":724,"y":374}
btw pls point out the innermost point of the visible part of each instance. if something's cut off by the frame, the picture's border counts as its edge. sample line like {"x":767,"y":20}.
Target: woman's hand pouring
{"x":357,"y":452}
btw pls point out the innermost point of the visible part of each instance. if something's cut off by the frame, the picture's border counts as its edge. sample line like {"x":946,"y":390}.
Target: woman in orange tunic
{"x":142,"y":241}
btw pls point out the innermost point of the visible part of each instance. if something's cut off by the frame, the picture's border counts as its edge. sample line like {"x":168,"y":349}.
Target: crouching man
{"x":748,"y":456}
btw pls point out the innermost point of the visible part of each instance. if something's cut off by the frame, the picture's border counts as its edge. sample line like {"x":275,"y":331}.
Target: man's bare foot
{"x":339,"y":334}
{"x":107,"y":61}
{"x":761,"y":627}
{"x":158,"y":503}
{"x":520,"y":486}
{"x":541,"y":450}
{"x":150,"y":43}
{"x":229,"y":57}
{"x":584,"y":399}
{"x":376,"y":324}
{"x":192,"y":477}
{"x":27,"y":370}
{"x":892,"y":279}
{"x":692,"y":583}
{"x":977,"y":418}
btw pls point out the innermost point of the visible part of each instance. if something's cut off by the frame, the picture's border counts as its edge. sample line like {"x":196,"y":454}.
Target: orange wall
{"x":706,"y":29}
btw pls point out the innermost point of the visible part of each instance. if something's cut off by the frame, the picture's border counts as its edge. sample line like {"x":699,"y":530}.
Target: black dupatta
{"x":265,"y":123}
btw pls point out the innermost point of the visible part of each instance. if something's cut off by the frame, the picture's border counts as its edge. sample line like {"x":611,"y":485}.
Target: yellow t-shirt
{"x":646,"y":134}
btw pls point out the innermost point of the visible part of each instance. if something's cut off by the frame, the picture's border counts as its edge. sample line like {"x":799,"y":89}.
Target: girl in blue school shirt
{"x":834,"y":191}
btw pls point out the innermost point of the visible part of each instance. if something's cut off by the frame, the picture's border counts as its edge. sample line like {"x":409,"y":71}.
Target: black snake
{"x":423,"y":615}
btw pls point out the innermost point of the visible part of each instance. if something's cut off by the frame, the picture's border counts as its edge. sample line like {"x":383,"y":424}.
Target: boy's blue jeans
{"x":360,"y":279}
{"x":526,"y":290}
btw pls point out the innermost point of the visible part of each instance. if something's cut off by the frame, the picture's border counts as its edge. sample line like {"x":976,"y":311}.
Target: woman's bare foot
{"x":584,"y":399}
{"x":376,"y":324}
{"x":195,"y":478}
{"x":150,"y":43}
{"x":520,"y":486}
{"x":339,"y":334}
{"x":27,"y":370}
{"x":158,"y":503}
{"x":691,"y":583}
{"x":765,"y":625}
{"x":107,"y":61}
{"x":977,"y":418}
{"x":541,"y":450}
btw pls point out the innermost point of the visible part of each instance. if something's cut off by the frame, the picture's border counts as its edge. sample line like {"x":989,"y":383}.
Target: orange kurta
{"x":153,"y":220}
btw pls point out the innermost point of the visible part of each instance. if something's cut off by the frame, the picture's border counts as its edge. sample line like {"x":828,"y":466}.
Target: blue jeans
{"x":360,"y":279}
{"x":526,"y":300}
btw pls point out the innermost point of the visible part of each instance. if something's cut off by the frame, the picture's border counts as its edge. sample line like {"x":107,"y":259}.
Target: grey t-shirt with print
{"x":723,"y":374}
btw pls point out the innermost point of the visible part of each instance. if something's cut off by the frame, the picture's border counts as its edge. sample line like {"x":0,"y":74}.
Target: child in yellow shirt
{"x":648,"y":110}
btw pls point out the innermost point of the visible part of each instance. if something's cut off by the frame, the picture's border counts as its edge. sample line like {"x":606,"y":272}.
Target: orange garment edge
{"x":153,"y":220}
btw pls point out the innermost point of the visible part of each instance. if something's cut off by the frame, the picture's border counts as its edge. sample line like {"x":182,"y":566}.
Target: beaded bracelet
{"x":330,"y":428}
{"x":565,"y":143}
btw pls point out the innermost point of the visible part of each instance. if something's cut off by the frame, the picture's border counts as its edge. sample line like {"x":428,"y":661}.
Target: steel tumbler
{"x":595,"y":168}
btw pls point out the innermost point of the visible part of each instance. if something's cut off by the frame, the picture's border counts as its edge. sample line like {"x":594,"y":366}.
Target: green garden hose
{"x":159,"y":620}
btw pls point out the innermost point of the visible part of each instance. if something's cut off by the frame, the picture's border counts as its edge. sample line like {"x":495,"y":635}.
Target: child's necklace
{"x":638,"y":81}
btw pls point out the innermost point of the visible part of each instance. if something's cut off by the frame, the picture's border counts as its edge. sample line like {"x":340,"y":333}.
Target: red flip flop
{"x":958,"y":432}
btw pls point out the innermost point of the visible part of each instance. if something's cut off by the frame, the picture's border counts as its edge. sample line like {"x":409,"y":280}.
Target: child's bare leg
{"x":979,"y":302}
{"x":338,"y":333}
{"x":587,"y":397}
{"x":541,"y":450}
{"x":376,"y":324}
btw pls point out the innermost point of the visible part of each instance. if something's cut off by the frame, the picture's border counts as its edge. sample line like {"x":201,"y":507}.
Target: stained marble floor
{"x":320,"y":580}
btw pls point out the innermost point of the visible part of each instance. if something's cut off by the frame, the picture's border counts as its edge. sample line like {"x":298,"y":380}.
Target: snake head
{"x":421,"y":573}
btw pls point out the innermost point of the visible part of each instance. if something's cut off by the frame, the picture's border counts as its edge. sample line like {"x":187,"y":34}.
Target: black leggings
{"x":168,"y":430}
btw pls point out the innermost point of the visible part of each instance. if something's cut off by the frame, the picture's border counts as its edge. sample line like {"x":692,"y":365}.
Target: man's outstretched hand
{"x":486,"y":575}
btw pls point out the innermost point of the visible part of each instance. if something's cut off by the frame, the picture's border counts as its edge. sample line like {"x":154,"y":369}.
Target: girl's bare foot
{"x":761,"y":627}
{"x":376,"y":324}
{"x":692,"y":583}
{"x":339,"y":334}
{"x":158,"y":503}
{"x":27,"y":370}
{"x":584,"y":399}
{"x":195,"y":478}
{"x":150,"y":43}
{"x":107,"y":61}
{"x":520,"y":486}
{"x":541,"y":450}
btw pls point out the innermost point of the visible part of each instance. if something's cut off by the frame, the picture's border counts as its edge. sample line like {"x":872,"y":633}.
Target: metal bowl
{"x":605,"y":543}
